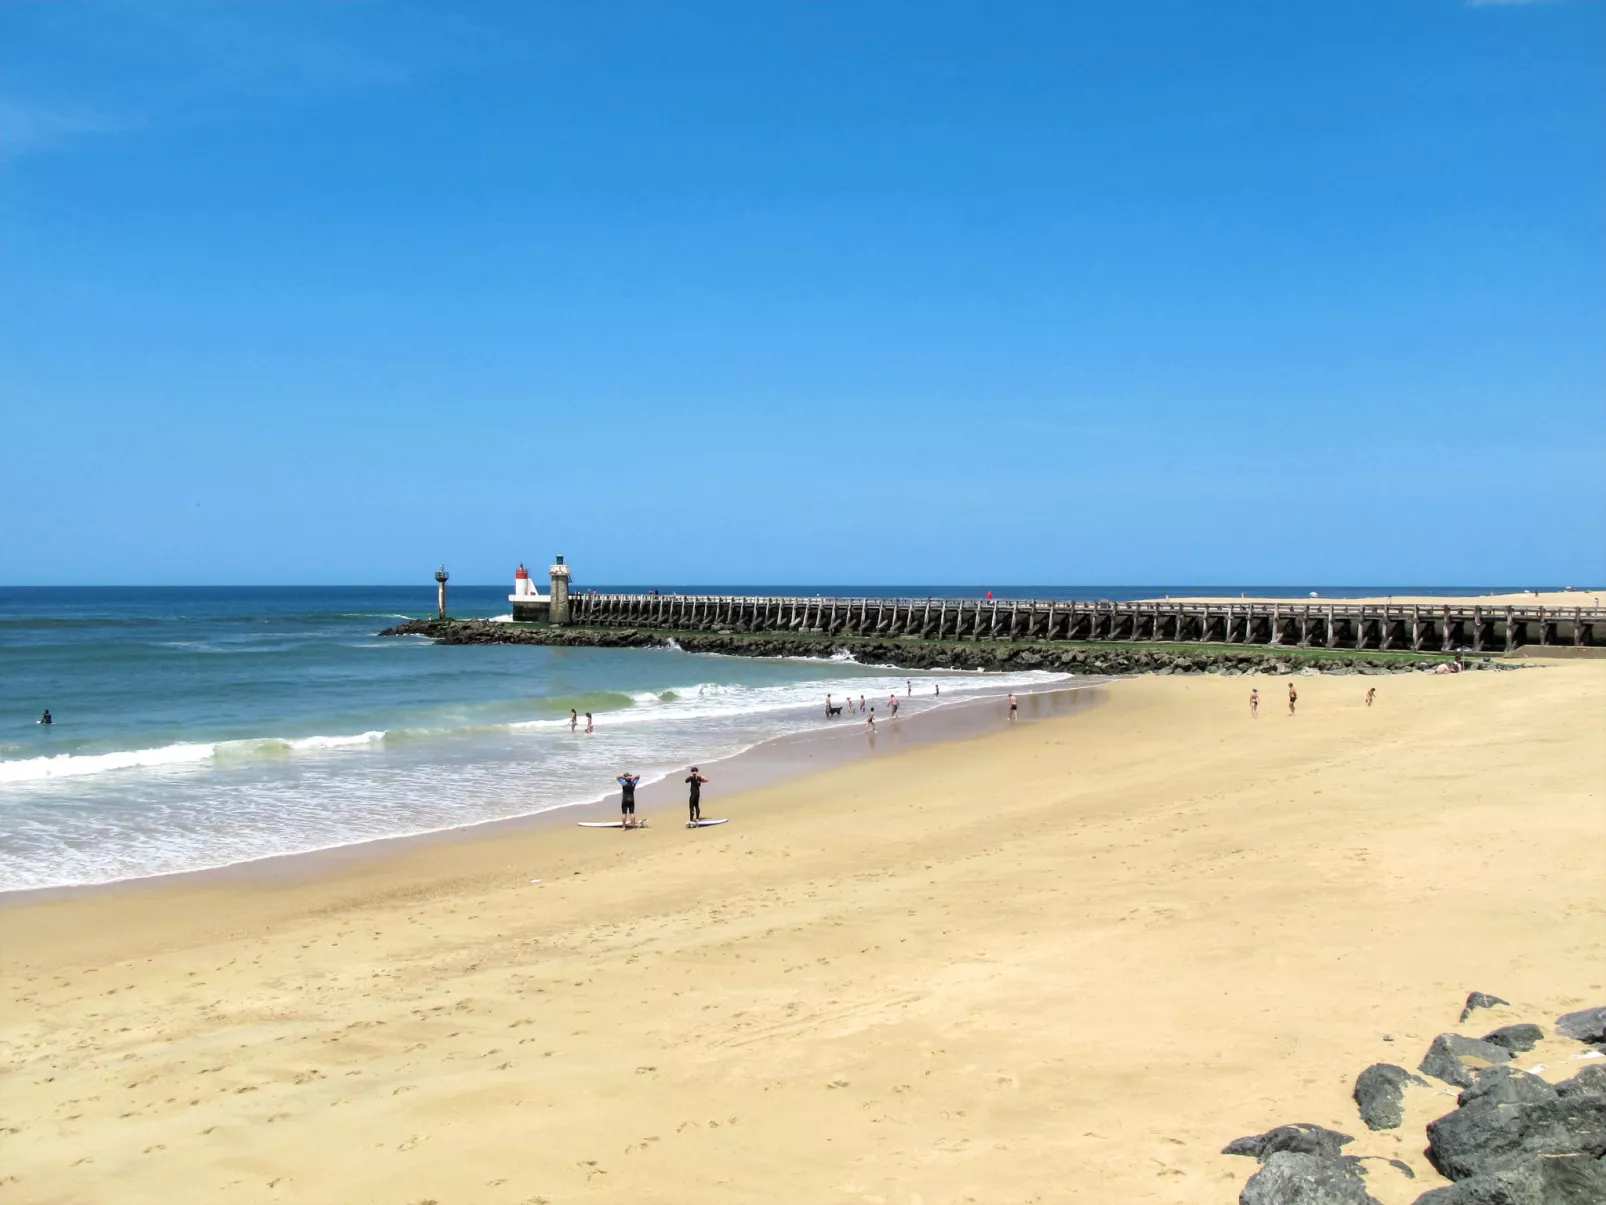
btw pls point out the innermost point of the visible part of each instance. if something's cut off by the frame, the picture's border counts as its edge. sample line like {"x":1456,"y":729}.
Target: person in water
{"x":574,"y":719}
{"x":694,"y":800}
{"x":588,"y":722}
{"x":869,"y":724}
{"x":46,"y":718}
{"x":892,"y":702}
{"x":627,"y":799}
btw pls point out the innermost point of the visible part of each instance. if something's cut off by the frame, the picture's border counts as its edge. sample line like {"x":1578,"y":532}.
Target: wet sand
{"x":1065,"y":961}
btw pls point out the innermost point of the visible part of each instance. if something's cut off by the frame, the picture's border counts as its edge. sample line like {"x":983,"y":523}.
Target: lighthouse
{"x":531,"y":606}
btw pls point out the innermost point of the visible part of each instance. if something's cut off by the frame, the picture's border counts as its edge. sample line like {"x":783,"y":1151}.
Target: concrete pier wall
{"x":1483,"y":629}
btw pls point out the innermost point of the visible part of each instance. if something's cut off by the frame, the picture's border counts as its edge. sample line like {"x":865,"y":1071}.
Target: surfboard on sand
{"x":704,"y":823}
{"x":611,"y":824}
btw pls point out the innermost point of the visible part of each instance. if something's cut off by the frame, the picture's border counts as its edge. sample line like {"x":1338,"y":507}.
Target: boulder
{"x":1587,"y":1025}
{"x":1456,"y":1059}
{"x":1378,"y":1093}
{"x":1510,"y":1118}
{"x":1294,"y":1178}
{"x":1516,"y":1038}
{"x":1479,"y":1000}
{"x":1541,"y":1180}
{"x":1300,"y":1138}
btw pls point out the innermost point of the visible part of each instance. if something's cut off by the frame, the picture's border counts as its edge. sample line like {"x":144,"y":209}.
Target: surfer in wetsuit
{"x":627,"y":799}
{"x":46,"y":718}
{"x":695,"y":800}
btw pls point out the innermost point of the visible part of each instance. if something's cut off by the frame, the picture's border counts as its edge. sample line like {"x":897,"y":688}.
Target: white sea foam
{"x":67,"y":765}
{"x":508,"y":618}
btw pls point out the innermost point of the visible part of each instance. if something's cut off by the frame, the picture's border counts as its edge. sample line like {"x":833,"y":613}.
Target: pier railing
{"x":1295,"y":623}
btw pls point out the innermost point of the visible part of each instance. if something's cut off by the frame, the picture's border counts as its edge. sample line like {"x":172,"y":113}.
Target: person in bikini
{"x":1254,"y":702}
{"x":1370,"y":693}
{"x":1293,"y":697}
{"x":1014,"y":707}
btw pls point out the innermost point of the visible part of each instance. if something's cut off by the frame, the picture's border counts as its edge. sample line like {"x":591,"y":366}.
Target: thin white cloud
{"x":27,"y":129}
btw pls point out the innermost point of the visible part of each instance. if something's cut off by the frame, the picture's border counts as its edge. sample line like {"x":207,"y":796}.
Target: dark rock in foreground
{"x":1479,"y":1000}
{"x":1516,"y":1038}
{"x":1379,"y":1091}
{"x":1456,"y":1060}
{"x":1563,"y":1180}
{"x":1300,"y":1138}
{"x":1587,"y":1025}
{"x":1294,"y":1178}
{"x":1509,"y":1119}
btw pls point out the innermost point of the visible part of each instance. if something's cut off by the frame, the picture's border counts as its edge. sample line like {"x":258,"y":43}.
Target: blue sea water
{"x":202,"y":727}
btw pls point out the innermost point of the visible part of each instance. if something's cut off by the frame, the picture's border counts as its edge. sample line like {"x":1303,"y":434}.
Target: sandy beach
{"x":1066,"y":961}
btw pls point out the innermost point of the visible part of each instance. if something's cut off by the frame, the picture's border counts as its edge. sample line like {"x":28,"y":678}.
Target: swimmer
{"x":574,"y":719}
{"x":588,"y":722}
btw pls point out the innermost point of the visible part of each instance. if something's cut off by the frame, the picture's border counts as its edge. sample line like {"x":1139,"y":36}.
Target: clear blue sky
{"x":927,"y":292}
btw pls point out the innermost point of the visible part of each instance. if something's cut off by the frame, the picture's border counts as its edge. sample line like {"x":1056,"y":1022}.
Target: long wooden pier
{"x":1295,"y":623}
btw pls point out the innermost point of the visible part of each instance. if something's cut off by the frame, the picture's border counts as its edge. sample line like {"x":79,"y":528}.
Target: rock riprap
{"x":1290,"y":1178}
{"x":910,"y":653}
{"x":1457,"y":1060}
{"x":1479,"y":1000}
{"x":1588,"y":1025}
{"x":1380,"y":1093}
{"x":1519,"y":1039}
{"x":1514,"y":1139}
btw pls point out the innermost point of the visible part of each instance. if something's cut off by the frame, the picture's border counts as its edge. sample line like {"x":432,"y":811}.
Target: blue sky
{"x":927,"y":292}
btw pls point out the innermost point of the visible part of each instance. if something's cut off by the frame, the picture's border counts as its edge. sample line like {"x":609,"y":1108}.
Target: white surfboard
{"x":704,"y":823}
{"x":611,"y":824}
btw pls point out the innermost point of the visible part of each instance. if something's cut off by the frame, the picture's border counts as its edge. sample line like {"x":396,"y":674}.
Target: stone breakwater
{"x":1513,"y":1138}
{"x":907,"y":653}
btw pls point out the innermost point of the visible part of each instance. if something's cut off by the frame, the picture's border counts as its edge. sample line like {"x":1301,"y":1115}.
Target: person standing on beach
{"x":1014,"y":708}
{"x":588,"y":721}
{"x":892,"y":700}
{"x":937,"y":690}
{"x":1293,"y":697}
{"x":1370,"y":692}
{"x":1254,"y":702}
{"x":627,"y":799}
{"x":694,"y":800}
{"x":869,"y":724}
{"x":574,"y":719}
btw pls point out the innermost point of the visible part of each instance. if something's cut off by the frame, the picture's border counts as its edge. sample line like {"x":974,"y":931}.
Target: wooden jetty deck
{"x":1295,"y":623}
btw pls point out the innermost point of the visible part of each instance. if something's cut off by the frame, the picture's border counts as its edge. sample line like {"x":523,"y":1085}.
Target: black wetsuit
{"x":627,"y":796}
{"x":695,"y":801}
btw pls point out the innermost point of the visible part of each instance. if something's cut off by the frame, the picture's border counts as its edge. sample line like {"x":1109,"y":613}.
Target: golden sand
{"x":1065,"y":962}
